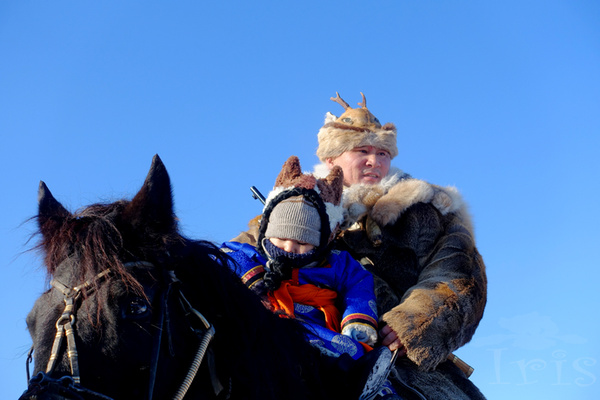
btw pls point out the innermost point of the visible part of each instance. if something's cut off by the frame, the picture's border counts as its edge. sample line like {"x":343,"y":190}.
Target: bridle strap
{"x":190,"y":312}
{"x":160,"y":324}
{"x":65,"y":326}
{"x":43,"y":386}
{"x":200,"y":353}
{"x":157,"y":342}
{"x":28,"y":361}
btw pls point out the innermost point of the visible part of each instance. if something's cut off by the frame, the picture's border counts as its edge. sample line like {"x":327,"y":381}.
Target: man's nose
{"x":373,"y":161}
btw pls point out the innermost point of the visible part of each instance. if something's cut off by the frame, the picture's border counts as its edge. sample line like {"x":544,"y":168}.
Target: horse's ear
{"x":49,"y":210}
{"x":153,"y":204}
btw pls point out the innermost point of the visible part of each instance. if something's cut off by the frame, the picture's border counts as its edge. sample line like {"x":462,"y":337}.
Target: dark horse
{"x":134,"y":304}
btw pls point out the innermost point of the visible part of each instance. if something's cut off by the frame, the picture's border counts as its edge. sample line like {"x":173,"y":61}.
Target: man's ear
{"x":329,"y":162}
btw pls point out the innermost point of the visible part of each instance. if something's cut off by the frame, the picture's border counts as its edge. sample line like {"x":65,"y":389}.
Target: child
{"x":299,"y":276}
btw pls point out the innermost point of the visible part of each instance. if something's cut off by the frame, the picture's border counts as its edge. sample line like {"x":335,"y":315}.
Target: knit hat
{"x":356,"y":127}
{"x":303,"y":206}
{"x":295,"y":218}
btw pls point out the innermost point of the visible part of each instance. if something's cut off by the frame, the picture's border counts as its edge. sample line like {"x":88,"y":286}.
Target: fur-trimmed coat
{"x":417,"y":239}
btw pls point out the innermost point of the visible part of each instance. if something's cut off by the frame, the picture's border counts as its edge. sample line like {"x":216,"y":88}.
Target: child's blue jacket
{"x":341,"y":273}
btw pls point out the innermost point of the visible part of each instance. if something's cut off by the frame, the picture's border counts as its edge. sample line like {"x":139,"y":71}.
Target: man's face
{"x":365,"y":164}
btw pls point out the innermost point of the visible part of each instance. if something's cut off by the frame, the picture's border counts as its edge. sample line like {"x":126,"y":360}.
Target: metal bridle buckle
{"x":65,"y":326}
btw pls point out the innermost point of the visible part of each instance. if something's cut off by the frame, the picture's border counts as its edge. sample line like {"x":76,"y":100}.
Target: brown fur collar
{"x":386,"y":201}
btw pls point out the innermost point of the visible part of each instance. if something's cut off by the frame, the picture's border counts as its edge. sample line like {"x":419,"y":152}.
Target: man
{"x":417,"y":240}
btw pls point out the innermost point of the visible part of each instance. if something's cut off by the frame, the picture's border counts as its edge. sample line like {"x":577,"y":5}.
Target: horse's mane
{"x":91,"y":236}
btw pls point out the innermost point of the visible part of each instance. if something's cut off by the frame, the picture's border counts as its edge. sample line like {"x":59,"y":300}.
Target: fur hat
{"x":356,"y":127}
{"x":324,"y":195}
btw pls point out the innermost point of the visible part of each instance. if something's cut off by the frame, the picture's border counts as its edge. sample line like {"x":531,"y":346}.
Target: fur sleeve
{"x":251,"y":235}
{"x":441,"y":311}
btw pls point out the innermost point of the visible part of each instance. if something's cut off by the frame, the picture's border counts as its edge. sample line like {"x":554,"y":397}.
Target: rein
{"x":65,"y":328}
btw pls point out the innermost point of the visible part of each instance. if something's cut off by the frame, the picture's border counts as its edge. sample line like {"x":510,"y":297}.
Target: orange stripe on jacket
{"x":291,"y":292}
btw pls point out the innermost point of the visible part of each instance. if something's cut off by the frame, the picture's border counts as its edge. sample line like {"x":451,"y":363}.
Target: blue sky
{"x":499,"y":98}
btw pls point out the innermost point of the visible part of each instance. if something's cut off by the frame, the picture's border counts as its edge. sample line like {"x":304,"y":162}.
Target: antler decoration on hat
{"x":356,"y":117}
{"x":341,"y":102}
{"x":346,"y":106}
{"x":356,"y":127}
{"x":364,"y":102}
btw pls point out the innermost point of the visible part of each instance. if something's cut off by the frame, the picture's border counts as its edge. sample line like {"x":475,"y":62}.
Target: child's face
{"x":292,"y":245}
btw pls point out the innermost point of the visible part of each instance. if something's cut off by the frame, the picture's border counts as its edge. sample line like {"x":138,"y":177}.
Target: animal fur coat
{"x":417,"y":240}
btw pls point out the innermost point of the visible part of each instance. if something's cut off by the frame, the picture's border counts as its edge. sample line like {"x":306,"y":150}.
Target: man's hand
{"x":390,"y":339}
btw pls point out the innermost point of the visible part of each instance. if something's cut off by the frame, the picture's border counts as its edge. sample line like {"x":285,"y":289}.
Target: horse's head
{"x":119,"y":319}
{"x":105,"y":325}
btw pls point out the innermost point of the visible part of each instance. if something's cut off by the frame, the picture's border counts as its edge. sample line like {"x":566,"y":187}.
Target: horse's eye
{"x":136,"y":308}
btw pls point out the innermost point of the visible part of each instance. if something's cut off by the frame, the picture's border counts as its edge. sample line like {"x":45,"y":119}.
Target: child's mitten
{"x":360,"y":332}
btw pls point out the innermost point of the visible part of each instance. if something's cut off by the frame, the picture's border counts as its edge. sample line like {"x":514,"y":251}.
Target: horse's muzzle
{"x":43,"y":387}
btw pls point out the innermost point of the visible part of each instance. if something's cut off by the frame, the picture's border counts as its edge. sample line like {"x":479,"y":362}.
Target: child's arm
{"x":246,"y":264}
{"x":359,"y":319}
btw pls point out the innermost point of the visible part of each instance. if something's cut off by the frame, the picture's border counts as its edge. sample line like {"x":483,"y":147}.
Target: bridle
{"x":65,"y":328}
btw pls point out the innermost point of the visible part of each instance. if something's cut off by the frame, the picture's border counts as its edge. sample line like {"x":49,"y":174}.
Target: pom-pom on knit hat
{"x":303,"y":206}
{"x":356,"y":127}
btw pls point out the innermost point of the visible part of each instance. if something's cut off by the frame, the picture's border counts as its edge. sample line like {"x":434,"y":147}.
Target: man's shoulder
{"x":251,"y":235}
{"x":404,"y":196}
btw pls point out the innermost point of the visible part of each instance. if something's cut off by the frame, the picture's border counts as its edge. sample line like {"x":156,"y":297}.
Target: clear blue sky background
{"x":500,"y":98}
